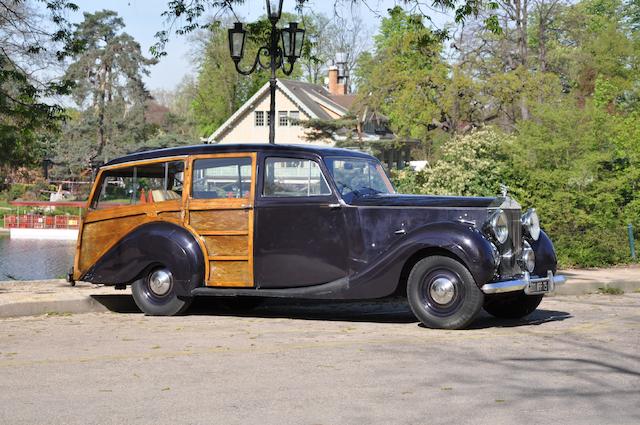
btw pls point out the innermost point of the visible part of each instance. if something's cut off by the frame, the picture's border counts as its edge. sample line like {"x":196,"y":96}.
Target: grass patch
{"x":608,"y":290}
{"x":58,"y":313}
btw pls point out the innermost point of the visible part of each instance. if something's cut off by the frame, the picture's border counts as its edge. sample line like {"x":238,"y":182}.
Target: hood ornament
{"x":504,"y":189}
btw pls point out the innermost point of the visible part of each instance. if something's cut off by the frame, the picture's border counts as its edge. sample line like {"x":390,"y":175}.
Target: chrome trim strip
{"x":523,"y":284}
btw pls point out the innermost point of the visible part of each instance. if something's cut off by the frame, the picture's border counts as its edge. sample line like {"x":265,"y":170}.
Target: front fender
{"x":459,"y":240}
{"x":545,"y":255}
{"x":156,"y":243}
{"x":463,"y":241}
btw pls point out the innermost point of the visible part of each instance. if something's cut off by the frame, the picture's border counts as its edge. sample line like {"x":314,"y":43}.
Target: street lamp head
{"x":236,"y":41}
{"x":274,"y":10}
{"x":292,"y":39}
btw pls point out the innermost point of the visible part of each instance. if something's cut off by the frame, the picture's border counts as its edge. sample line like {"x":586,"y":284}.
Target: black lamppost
{"x":292,"y":38}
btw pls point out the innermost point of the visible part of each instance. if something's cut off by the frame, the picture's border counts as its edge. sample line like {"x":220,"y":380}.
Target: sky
{"x":143,"y":20}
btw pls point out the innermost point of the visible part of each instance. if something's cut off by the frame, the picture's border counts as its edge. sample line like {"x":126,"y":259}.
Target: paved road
{"x":575,"y":361}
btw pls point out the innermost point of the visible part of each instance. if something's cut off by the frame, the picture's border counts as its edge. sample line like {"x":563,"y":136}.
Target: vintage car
{"x":257,"y":220}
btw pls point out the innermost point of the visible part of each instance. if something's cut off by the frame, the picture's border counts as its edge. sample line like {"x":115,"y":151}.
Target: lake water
{"x":23,"y":259}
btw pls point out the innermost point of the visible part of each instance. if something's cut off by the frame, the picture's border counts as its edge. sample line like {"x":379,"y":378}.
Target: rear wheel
{"x":512,"y":305}
{"x":155,"y":294}
{"x":443,"y":294}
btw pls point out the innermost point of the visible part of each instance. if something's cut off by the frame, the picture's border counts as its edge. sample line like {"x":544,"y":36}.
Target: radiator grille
{"x":509,"y":266}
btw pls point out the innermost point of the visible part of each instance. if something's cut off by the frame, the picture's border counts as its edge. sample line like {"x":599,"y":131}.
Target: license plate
{"x":538,"y":287}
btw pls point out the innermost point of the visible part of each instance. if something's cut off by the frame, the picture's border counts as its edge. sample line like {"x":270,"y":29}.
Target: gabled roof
{"x":314,"y":96}
{"x":313,"y":99}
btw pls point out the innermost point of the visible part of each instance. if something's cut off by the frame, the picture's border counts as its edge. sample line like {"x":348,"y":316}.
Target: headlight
{"x":531,"y":224}
{"x":528,"y":257}
{"x":498,"y":226}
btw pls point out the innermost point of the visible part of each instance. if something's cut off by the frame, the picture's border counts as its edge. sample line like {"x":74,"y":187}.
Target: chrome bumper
{"x":523,"y":284}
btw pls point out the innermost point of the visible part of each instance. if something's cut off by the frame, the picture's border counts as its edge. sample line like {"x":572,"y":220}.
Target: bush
{"x":470,"y":165}
{"x":580,"y":168}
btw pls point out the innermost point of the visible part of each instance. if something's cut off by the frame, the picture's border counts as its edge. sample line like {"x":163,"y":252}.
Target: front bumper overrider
{"x":524,"y":284}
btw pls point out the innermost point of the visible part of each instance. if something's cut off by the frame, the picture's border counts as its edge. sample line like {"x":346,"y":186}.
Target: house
{"x":298,"y":101}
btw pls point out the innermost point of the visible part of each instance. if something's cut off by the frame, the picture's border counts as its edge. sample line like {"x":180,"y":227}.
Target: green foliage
{"x":579,"y":168}
{"x":471,"y":165}
{"x":405,"y":76}
{"x":26,"y":114}
{"x":186,"y":16}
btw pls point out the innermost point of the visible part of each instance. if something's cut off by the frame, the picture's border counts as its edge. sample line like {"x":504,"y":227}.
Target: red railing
{"x":37,"y":221}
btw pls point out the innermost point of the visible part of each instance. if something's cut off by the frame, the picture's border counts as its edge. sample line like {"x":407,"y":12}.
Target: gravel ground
{"x":574,"y":361}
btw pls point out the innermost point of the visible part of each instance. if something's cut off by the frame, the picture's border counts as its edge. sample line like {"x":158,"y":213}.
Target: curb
{"x":36,"y":308}
{"x":585,"y":288}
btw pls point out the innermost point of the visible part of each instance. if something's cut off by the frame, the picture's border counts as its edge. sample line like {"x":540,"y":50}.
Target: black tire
{"x":154,"y":303}
{"x":239,"y":304}
{"x":426,"y":277}
{"x":511,"y":306}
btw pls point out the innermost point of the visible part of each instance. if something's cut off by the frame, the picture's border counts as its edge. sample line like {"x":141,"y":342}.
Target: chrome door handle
{"x":336,"y":205}
{"x":246,"y":206}
{"x":400,"y":232}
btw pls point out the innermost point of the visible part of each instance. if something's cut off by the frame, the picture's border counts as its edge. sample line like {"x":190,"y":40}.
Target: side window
{"x":221,"y":178}
{"x":159,"y":182}
{"x":142,"y":184}
{"x":286,"y":177}
{"x":116,"y":189}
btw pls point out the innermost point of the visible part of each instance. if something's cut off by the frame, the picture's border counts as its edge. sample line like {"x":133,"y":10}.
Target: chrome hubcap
{"x":160,"y":282}
{"x":442,"y":290}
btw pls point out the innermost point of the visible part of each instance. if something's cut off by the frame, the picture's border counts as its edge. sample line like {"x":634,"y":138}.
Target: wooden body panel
{"x":223,"y":227}
{"x":230,"y":273}
{"x":226,"y":227}
{"x":221,"y":245}
{"x":220,"y":220}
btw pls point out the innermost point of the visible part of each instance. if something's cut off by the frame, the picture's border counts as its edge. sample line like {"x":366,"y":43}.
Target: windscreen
{"x":357,"y":177}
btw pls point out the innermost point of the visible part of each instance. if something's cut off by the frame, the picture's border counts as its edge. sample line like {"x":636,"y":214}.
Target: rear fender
{"x":149,"y":245}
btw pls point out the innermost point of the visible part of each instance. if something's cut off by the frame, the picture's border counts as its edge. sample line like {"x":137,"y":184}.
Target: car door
{"x":220,"y":211}
{"x":300,"y":229}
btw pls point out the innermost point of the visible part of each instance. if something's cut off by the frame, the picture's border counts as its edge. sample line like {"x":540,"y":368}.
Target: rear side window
{"x":149,"y":183}
{"x":291,"y":177}
{"x":221,"y":178}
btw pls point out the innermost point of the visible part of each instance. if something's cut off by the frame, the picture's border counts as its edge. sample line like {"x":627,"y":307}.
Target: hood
{"x":399,"y":200}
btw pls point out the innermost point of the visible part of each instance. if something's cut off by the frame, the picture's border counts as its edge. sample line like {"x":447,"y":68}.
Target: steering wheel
{"x":342,"y":186}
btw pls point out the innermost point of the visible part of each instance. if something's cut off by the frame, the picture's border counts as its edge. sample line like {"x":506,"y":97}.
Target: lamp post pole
{"x":292,"y":39}
{"x":272,"y":83}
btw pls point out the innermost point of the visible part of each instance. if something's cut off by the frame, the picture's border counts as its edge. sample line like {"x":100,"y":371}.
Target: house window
{"x":259,"y":118}
{"x":268,"y":118}
{"x":294,"y":117}
{"x":283,"y":119}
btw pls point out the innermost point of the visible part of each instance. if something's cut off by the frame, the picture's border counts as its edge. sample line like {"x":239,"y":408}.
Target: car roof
{"x":236,"y":147}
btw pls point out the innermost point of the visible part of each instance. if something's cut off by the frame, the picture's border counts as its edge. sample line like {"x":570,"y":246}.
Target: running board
{"x":331,"y":290}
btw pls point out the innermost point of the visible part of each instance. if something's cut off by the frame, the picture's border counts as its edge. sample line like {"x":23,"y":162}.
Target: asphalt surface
{"x":574,"y":361}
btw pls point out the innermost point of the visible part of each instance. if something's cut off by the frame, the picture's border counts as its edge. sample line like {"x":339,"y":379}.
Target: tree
{"x":405,"y":76}
{"x":326,"y":37}
{"x":108,"y":88}
{"x":29,"y":43}
{"x":186,"y":16}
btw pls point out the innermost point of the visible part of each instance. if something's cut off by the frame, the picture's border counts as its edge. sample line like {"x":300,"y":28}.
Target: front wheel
{"x":511,"y":305}
{"x":443,"y":294}
{"x":155,"y":294}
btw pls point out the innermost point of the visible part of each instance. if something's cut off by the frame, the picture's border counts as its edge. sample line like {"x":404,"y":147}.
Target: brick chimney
{"x":337,"y":84}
